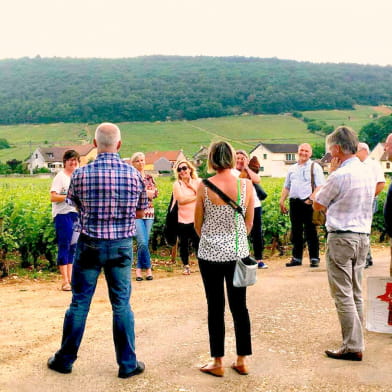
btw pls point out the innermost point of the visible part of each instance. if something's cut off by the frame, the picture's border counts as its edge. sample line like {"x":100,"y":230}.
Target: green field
{"x":355,"y":119}
{"x":242,"y":131}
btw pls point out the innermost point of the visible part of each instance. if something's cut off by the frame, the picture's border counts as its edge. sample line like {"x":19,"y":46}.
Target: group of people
{"x":111,"y":195}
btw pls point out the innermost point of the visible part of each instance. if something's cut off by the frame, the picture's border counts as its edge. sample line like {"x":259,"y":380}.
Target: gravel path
{"x":293,"y":322}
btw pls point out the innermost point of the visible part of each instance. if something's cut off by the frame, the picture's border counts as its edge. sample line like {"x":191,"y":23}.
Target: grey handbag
{"x":245,"y":274}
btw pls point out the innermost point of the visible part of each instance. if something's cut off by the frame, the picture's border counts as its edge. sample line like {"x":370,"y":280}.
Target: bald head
{"x":304,"y":153}
{"x":107,"y":137}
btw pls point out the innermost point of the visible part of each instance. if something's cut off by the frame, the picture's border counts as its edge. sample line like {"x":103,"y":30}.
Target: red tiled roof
{"x":171,"y":156}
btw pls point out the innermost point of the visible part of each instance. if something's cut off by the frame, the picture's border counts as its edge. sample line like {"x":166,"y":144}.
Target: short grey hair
{"x":344,"y":137}
{"x":107,"y":135}
{"x":363,"y":146}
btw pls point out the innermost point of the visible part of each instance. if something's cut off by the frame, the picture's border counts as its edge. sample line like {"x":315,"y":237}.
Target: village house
{"x":163,"y":161}
{"x":379,"y":155}
{"x":275,"y":159}
{"x":52,"y":157}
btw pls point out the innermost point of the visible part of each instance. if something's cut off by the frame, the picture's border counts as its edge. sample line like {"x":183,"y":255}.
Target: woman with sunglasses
{"x":223,"y":238}
{"x":143,"y":226}
{"x":184,"y":191}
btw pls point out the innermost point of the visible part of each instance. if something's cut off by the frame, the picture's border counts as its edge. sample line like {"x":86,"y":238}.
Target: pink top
{"x":186,"y":212}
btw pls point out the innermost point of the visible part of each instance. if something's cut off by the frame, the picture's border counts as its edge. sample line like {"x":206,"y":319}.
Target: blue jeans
{"x":143,"y":229}
{"x":115,"y":257}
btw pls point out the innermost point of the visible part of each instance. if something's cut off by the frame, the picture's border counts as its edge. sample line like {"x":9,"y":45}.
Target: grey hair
{"x":363,"y":146}
{"x":344,"y":137}
{"x":107,"y":135}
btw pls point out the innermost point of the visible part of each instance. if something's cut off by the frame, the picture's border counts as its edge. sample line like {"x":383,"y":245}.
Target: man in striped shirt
{"x":109,"y":195}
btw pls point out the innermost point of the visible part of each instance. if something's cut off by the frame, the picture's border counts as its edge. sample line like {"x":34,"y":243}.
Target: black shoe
{"x":314,"y":263}
{"x":293,"y":263}
{"x":368,"y":264}
{"x":345,"y":356}
{"x":139,"y":369}
{"x":54,"y":365}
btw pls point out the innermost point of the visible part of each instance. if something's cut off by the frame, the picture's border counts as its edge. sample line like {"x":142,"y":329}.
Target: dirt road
{"x":293,"y":322}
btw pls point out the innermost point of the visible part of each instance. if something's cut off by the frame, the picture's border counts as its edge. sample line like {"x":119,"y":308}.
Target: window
{"x":264,"y":156}
{"x":290,"y":157}
{"x":388,"y":165}
{"x":261,"y":168}
{"x":36,"y":156}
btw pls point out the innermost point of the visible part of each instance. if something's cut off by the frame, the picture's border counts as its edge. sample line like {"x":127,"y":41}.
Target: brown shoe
{"x":357,"y":356}
{"x":218,"y":371}
{"x":240,"y":369}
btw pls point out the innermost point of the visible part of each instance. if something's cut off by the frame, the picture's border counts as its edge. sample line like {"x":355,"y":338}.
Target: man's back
{"x":107,"y":193}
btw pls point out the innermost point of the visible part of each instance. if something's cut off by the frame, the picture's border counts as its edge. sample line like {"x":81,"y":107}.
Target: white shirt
{"x":376,"y":169}
{"x":60,"y":185}
{"x":298,"y":179}
{"x":348,"y":195}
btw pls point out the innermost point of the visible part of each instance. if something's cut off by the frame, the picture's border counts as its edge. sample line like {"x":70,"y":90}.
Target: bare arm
{"x":319,"y":207}
{"x":139,"y":214}
{"x":56,"y":197}
{"x":252,"y":175}
{"x":199,"y":210}
{"x":249,"y":206}
{"x":283,"y":197}
{"x":178,"y":195}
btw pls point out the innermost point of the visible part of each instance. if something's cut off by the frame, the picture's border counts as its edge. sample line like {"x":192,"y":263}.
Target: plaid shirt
{"x":107,"y":193}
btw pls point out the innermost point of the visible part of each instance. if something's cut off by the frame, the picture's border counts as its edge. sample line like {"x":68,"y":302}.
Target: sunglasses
{"x":182,"y":168}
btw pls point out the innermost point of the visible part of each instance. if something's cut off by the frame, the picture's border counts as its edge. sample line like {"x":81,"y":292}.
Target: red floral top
{"x":150,"y":186}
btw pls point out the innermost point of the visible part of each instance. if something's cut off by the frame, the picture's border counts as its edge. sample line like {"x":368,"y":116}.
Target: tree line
{"x":159,"y":88}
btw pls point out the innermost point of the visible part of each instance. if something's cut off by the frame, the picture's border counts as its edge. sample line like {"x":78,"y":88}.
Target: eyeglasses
{"x":182,"y":168}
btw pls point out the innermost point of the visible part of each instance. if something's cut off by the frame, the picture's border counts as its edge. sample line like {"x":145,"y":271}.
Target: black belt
{"x":346,"y":231}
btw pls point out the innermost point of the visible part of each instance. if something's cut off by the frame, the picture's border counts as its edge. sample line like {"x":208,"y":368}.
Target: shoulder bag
{"x":245,"y":268}
{"x":170,"y":229}
{"x":318,"y":218}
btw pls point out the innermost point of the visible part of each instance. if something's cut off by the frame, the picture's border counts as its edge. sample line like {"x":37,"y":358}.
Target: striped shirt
{"x":107,"y":193}
{"x":348,"y":195}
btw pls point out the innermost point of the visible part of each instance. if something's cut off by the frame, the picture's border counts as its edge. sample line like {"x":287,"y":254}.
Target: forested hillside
{"x":155,"y":88}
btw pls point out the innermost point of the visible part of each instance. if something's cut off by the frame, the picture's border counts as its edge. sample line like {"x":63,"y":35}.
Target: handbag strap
{"x":236,"y":216}
{"x":312,"y":177}
{"x":224,"y":197}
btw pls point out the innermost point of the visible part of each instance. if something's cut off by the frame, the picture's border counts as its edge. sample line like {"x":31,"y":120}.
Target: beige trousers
{"x":346,"y":258}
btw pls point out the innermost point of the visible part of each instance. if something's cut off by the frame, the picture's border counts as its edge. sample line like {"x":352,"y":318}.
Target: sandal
{"x":66,"y":287}
{"x":240,"y":369}
{"x":149,"y":277}
{"x":187,"y":270}
{"x":139,"y":279}
{"x":217,"y":371}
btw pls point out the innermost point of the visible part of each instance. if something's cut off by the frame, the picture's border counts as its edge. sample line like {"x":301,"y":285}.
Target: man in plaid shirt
{"x":109,"y":195}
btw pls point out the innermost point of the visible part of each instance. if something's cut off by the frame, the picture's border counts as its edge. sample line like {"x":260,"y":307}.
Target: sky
{"x":338,"y":31}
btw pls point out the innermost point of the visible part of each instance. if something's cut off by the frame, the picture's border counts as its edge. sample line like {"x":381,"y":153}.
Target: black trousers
{"x":214,"y":274}
{"x":256,"y":234}
{"x":187,"y":236}
{"x":301,"y":224}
